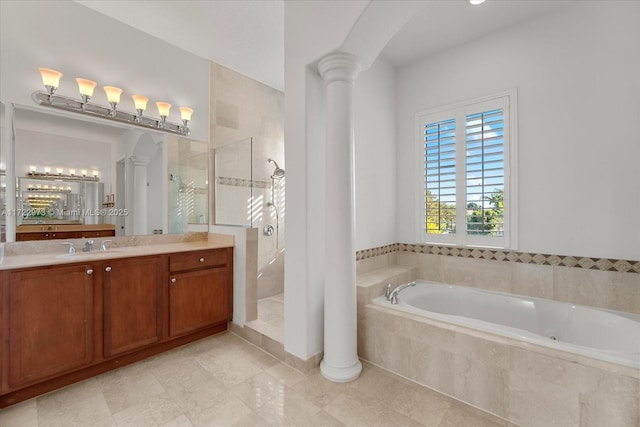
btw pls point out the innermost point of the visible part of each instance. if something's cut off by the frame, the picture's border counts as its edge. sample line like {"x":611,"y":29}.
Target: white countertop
{"x":45,"y":259}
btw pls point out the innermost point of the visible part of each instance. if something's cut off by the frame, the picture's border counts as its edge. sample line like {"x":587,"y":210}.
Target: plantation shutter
{"x":440,"y":176}
{"x":485,"y":178}
{"x":464,"y":173}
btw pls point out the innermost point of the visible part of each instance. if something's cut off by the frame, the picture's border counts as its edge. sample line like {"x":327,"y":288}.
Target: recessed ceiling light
{"x":474,"y":2}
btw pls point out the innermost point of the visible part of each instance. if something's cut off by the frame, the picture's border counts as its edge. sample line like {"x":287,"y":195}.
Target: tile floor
{"x":270,"y":320}
{"x":225,"y":381}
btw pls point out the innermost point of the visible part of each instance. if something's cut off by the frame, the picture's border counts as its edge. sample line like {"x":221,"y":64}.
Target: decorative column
{"x":340,"y":363}
{"x":140,"y":217}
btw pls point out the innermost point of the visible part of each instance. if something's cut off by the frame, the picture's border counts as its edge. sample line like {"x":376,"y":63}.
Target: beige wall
{"x":243,"y":108}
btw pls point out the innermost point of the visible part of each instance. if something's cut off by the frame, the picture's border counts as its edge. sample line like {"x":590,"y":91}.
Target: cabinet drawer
{"x":198,"y":259}
{"x":98,"y":233}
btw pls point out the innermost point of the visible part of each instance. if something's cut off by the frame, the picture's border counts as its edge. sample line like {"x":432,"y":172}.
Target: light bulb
{"x":86,"y":87}
{"x":113,"y":93}
{"x":140,"y":102}
{"x":163,"y":108}
{"x":185,"y":113}
{"x":50,"y":78}
{"x":163,"y":111}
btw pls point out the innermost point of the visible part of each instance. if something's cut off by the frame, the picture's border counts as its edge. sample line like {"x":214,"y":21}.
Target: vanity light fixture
{"x":140,"y":102}
{"x":163,"y":112}
{"x":86,"y":88}
{"x":113,"y":96}
{"x":185,"y":115}
{"x":476,"y":2}
{"x":51,"y":81}
{"x":60,"y":175}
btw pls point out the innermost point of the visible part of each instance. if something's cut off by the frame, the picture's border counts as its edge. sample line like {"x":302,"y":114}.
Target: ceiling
{"x":444,"y":24}
{"x":248,"y":36}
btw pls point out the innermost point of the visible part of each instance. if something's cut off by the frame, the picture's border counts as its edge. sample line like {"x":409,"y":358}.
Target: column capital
{"x":339,"y":66}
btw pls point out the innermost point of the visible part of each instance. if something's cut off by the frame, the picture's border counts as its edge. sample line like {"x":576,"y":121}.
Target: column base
{"x":340,"y":375}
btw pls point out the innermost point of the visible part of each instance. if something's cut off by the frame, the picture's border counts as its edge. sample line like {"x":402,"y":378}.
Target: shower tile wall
{"x":242,"y":109}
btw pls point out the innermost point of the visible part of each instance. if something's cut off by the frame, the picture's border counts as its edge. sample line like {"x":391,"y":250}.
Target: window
{"x":466,"y":171}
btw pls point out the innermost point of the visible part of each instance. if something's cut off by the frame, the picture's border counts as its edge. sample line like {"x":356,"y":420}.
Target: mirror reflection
{"x":79,"y":177}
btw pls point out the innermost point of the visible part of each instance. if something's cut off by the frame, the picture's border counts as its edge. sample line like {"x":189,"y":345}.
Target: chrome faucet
{"x":88,"y":246}
{"x":72,"y":249}
{"x":393,"y":295}
{"x":103,"y":245}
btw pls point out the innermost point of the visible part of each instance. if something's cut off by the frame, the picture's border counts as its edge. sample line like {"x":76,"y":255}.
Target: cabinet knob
{"x":201,"y":260}
{"x":173,"y":280}
{"x":107,"y":269}
{"x":90,"y":271}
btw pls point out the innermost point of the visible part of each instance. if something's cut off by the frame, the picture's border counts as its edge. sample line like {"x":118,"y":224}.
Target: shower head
{"x":277,"y":173}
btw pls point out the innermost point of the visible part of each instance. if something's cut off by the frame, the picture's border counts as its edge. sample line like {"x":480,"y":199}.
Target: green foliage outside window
{"x":483,"y":221}
{"x":441,"y":216}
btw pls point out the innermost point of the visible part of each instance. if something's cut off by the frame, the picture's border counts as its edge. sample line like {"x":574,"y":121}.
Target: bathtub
{"x":602,"y":334}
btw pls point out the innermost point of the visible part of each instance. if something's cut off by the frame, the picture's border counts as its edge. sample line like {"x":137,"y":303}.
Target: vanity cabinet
{"x":50,"y":322}
{"x":63,"y":231}
{"x":48,"y":235}
{"x":63,"y":323}
{"x":199,"y":291}
{"x":132,"y":304}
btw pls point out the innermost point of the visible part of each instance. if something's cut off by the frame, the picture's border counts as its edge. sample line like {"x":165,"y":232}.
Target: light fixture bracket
{"x":61,"y":177}
{"x":94,"y":110}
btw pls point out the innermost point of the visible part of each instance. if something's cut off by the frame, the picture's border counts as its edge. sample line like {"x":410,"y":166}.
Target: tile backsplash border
{"x":602,"y":264}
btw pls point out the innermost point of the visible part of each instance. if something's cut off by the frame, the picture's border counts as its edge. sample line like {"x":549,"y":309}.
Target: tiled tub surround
{"x":603,"y":283}
{"x":524,"y":383}
{"x":527,"y":384}
{"x":611,"y":336}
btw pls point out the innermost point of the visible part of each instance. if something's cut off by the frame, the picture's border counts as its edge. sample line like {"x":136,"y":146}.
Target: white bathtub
{"x":607,"y":335}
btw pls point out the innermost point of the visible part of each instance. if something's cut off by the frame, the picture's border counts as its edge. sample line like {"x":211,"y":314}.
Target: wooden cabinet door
{"x":50,"y":322}
{"x":132,"y":304}
{"x":198,"y":299}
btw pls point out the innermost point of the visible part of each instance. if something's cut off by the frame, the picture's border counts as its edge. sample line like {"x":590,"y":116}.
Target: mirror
{"x":3,"y":177}
{"x":82,"y":177}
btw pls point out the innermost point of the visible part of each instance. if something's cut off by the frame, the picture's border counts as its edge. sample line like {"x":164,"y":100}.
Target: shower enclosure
{"x":250,"y":192}
{"x":188,"y":192}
